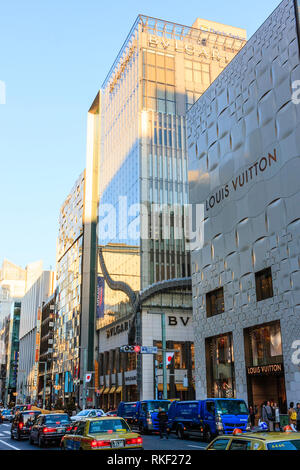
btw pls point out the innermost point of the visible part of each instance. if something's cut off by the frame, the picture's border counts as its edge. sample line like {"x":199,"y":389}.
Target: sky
{"x":54,"y":56}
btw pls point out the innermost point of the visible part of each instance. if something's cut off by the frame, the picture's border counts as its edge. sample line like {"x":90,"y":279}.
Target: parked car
{"x":49,"y":428}
{"x":22,"y":424}
{"x":88,"y":413}
{"x":208,"y":418}
{"x":111,"y":413}
{"x":143,"y":414}
{"x":7,"y":415}
{"x":104,"y":433}
{"x":257,"y":441}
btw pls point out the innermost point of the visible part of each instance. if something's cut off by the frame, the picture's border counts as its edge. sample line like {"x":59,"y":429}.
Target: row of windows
{"x":264,"y":290}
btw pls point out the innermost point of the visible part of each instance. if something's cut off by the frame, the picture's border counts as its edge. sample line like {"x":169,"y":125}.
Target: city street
{"x":150,"y":442}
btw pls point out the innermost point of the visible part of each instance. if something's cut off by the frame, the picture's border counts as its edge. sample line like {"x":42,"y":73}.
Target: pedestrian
{"x":292,"y":414}
{"x":267,"y":415}
{"x":162,"y":423}
{"x":298,"y":417}
{"x":277,"y":417}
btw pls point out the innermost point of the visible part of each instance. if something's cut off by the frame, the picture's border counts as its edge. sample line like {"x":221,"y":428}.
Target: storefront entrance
{"x":264,"y":366}
{"x":267,"y":388}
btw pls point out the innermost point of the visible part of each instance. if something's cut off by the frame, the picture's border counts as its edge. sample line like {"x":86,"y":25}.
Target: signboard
{"x":100,"y":297}
{"x":148,"y":350}
{"x":265,"y":370}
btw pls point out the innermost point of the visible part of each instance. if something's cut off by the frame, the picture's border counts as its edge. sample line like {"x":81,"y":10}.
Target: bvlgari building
{"x":244,"y":165}
{"x":161,"y":70}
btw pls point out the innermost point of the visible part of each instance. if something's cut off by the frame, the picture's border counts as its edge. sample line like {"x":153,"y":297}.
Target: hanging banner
{"x":100,"y":297}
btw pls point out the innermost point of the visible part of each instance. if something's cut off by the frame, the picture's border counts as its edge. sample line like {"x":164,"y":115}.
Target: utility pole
{"x":164,"y":348}
{"x":84,"y":382}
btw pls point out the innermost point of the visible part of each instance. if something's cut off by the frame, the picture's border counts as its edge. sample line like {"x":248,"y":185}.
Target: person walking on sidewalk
{"x":298,"y":417}
{"x":267,"y":415}
{"x":292,"y":413}
{"x":162,"y":423}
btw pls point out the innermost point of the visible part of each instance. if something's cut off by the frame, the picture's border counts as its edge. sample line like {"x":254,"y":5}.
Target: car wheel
{"x":180,"y":432}
{"x":41,"y":442}
{"x":12,"y":436}
{"x":207,"y":435}
{"x":31,"y":440}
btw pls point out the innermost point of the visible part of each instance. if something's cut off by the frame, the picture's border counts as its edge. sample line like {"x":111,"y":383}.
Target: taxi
{"x":257,"y":441}
{"x":105,"y":433}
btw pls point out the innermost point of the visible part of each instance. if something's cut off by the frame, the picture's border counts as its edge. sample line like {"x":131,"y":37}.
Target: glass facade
{"x":160,"y":71}
{"x":69,"y":277}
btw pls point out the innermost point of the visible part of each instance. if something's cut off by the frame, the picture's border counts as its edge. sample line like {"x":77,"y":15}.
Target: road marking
{"x":9,"y":445}
{"x":7,"y":432}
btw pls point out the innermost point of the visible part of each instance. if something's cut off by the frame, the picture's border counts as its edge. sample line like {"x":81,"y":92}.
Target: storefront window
{"x":220,"y":367}
{"x":131,"y":361}
{"x":265,"y":344}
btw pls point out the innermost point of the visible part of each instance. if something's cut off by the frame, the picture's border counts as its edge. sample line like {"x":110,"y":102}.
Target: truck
{"x":143,"y":414}
{"x":208,"y":418}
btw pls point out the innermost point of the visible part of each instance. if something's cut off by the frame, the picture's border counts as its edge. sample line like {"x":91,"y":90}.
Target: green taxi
{"x":257,"y":441}
{"x":105,"y":433}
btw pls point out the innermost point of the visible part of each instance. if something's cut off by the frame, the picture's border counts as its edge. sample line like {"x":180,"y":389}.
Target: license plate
{"x":60,"y":430}
{"x":117,"y":443}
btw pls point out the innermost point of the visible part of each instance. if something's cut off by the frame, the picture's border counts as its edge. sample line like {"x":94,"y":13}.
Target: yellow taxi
{"x":257,"y":441}
{"x":105,"y":433}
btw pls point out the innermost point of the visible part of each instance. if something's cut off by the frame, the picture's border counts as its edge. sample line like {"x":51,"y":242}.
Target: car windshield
{"x":155,"y":405}
{"x":57,"y":419}
{"x":83,"y":413}
{"x":108,"y":426}
{"x":231,"y":407}
{"x":293,"y":444}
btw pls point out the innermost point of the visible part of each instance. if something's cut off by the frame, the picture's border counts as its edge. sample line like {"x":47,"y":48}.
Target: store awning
{"x":119,"y":389}
{"x":181,"y":388}
{"x":101,"y":390}
{"x":106,"y":391}
{"x":160,"y":387}
{"x":112,"y":390}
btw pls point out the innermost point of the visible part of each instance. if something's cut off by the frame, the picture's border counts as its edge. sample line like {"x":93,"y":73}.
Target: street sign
{"x":130,"y":348}
{"x":148,"y":349}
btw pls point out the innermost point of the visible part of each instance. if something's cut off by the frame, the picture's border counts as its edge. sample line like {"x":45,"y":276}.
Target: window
{"x":264,"y":285}
{"x":80,"y":429}
{"x":239,"y":444}
{"x":210,"y":406}
{"x":215,"y":302}
{"x":219,"y":444}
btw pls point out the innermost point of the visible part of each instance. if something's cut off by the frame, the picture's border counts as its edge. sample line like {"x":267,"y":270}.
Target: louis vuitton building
{"x":244,"y":165}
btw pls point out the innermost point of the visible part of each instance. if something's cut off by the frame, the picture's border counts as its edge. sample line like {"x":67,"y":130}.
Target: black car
{"x":49,"y":428}
{"x":22,"y":424}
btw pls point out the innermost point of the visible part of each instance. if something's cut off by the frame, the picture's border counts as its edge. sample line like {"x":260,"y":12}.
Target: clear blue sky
{"x":54,"y":55}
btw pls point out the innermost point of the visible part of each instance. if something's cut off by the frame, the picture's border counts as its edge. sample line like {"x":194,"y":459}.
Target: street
{"x":151,"y":442}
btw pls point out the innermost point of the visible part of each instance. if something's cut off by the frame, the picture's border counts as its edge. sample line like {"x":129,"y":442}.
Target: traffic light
{"x":130,"y":349}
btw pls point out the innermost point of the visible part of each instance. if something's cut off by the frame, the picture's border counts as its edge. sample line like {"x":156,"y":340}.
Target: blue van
{"x":208,"y":418}
{"x":145,"y":416}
